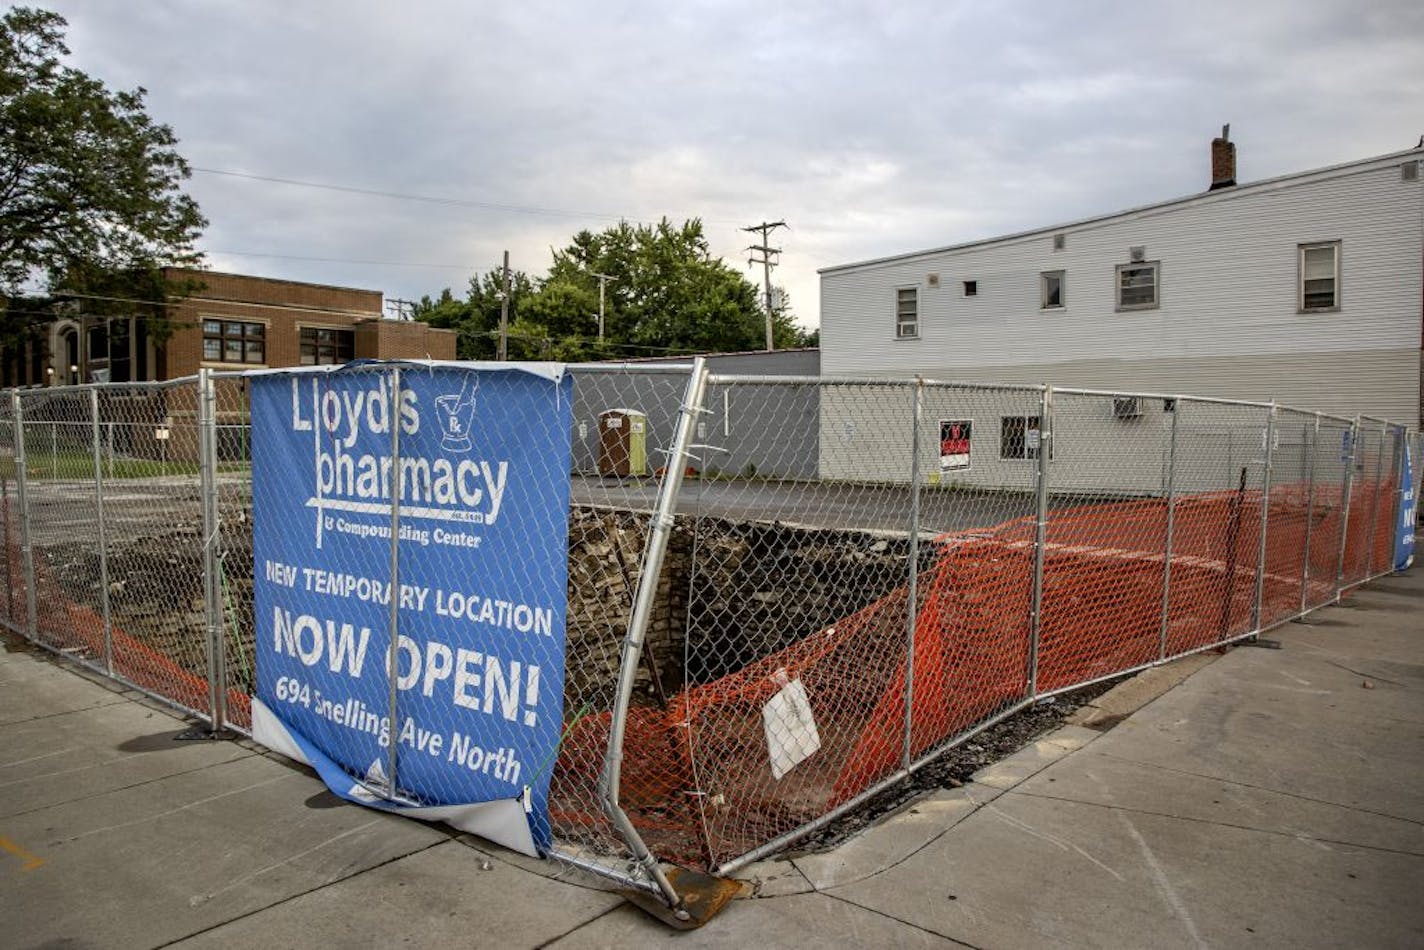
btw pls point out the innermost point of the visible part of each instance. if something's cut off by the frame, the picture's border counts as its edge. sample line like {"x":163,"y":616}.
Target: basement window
{"x":1319,"y":283}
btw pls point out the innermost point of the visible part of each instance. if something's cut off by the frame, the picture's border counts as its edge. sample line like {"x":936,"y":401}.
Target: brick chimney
{"x":1223,"y":160}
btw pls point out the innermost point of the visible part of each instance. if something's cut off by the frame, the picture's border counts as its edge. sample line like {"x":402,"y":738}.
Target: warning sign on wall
{"x":955,"y":436}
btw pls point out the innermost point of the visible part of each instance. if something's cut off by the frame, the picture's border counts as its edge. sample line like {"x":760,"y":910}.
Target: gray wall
{"x":771,"y":429}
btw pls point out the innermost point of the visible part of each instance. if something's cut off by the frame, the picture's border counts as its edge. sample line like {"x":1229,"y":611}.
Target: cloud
{"x":871,"y":131}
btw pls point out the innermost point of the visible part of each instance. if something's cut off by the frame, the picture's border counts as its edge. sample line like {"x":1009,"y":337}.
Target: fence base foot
{"x":703,"y":896}
{"x":1307,"y":620}
{"x":1265,"y":643}
{"x":199,"y":733}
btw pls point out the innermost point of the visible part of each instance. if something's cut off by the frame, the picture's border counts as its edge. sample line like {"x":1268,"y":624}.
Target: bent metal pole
{"x":658,"y":534}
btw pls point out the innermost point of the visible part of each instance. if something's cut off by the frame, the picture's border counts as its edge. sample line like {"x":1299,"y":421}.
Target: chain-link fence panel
{"x":1363,"y":504}
{"x":1217,"y":520}
{"x":1326,"y":490}
{"x":152,"y":490}
{"x":1382,"y":532}
{"x":798,"y":562}
{"x":624,"y":420}
{"x":62,"y":497}
{"x":1109,"y":473}
{"x":977,"y":520}
{"x":233,"y":564}
{"x":14,"y":610}
{"x":1288,"y":512}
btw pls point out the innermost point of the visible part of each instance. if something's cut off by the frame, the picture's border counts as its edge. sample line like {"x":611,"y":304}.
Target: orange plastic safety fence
{"x":696,"y":775}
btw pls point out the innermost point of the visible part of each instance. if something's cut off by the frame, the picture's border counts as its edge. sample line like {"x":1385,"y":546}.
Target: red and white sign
{"x":955,"y":436}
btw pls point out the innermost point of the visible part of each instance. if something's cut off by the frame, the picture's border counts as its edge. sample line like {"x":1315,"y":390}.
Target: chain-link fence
{"x":783,"y":594}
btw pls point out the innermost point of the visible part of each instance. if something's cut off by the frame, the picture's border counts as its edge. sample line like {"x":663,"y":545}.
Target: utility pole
{"x":504,"y":313}
{"x":404,"y":309}
{"x":603,"y":279}
{"x":767,"y":263}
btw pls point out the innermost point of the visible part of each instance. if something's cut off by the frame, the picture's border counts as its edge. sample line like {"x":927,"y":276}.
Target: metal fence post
{"x":27,"y":551}
{"x":1171,"y":526}
{"x":1040,"y":534}
{"x":212,"y":583}
{"x":1309,"y":514}
{"x":393,"y":656}
{"x":1346,"y":489}
{"x":912,"y":594}
{"x":102,"y":533}
{"x":1266,"y":471}
{"x":659,"y":532}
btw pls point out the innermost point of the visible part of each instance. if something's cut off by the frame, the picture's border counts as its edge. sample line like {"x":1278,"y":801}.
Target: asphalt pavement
{"x":1270,"y":798}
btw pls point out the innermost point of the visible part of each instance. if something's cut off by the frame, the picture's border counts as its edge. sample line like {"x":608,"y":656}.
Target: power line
{"x":433,"y":199}
{"x":338,"y":260}
{"x":404,"y":196}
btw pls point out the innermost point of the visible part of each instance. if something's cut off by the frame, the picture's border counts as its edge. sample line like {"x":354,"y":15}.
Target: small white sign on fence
{"x":791,"y":733}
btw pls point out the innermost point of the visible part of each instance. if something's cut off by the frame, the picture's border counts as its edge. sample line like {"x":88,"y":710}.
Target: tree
{"x":476,"y":318}
{"x":89,"y":183}
{"x":667,"y":292}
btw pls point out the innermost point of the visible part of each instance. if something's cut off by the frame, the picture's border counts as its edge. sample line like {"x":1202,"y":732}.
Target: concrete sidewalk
{"x":1272,"y":798}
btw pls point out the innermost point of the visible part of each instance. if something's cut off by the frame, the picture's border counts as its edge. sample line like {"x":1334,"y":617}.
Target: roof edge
{"x":1220,"y":194}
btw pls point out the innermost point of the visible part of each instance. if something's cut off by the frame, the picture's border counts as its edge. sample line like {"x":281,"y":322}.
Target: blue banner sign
{"x":1408,"y":509}
{"x":479,"y":457}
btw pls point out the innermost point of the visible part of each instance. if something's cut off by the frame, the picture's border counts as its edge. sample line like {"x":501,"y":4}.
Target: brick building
{"x":233,"y":321}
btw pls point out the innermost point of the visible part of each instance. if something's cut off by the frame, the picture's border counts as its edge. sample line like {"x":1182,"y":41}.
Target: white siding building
{"x":1305,"y":289}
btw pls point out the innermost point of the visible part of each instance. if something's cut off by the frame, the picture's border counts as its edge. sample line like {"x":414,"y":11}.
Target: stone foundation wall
{"x":731,"y":593}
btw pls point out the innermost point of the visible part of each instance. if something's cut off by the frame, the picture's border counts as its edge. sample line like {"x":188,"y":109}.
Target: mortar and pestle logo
{"x":457,"y":415}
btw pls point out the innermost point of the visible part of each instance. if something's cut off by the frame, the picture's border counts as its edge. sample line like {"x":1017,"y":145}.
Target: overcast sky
{"x":871,"y":128}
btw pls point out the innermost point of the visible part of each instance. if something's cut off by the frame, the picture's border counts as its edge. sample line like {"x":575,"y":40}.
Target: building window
{"x":1138,"y":285}
{"x":234,"y":341}
{"x":1320,"y":276}
{"x":1018,"y":437}
{"x":907,"y":313}
{"x":327,"y":346}
{"x":1051,"y":287}
{"x":971,"y":288}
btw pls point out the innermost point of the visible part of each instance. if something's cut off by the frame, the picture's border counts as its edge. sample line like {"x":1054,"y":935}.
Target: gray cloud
{"x":870,"y":130}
